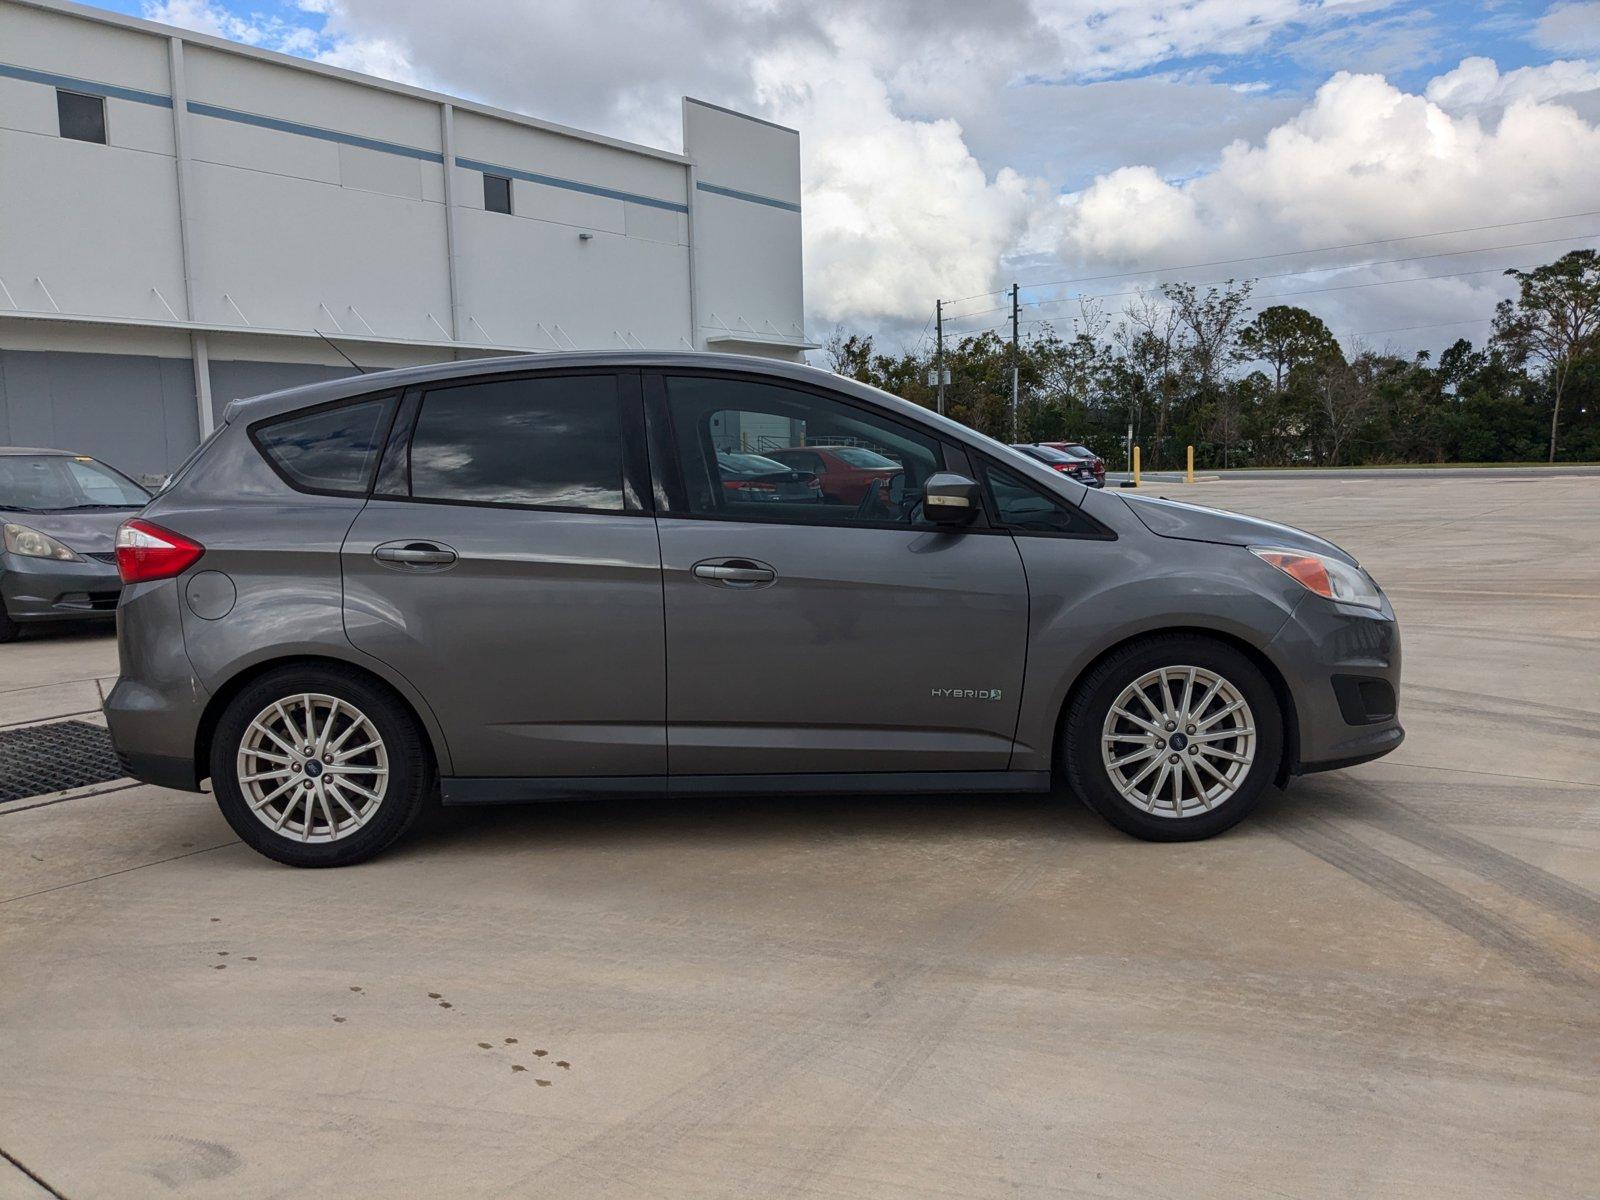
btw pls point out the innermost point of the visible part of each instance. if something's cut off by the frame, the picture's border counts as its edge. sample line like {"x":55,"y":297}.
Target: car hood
{"x":1193,"y":523}
{"x":92,"y":531}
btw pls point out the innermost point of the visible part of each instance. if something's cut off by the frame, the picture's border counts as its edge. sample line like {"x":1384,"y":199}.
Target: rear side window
{"x":549,"y":442}
{"x":330,"y":449}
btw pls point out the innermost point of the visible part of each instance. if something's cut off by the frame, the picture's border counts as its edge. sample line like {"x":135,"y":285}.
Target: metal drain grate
{"x":53,"y":758}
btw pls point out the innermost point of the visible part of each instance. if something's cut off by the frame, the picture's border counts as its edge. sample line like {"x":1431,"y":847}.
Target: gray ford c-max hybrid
{"x":527,"y":578}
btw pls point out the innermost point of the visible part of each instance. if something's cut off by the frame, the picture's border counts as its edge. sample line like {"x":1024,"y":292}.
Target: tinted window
{"x":1045,"y":454}
{"x":800,"y":460}
{"x":1020,"y":505}
{"x":717,"y":421}
{"x":83,"y":118}
{"x":333,"y":450}
{"x":553,"y":442}
{"x":858,"y":457}
{"x":497,"y":193}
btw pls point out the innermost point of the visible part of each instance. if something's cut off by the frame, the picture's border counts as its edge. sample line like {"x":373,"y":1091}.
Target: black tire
{"x":8,"y":628}
{"x":1087,"y":774}
{"x":410,"y":779}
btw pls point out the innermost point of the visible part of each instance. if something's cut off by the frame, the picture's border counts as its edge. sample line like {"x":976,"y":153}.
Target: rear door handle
{"x":415,"y":554}
{"x":735,"y":572}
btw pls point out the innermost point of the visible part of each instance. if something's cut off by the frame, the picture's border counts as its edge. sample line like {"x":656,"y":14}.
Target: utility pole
{"x":938,"y":351}
{"x":1016,"y":359}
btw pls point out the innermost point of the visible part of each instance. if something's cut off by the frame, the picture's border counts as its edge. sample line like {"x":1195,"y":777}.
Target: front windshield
{"x":58,"y":482}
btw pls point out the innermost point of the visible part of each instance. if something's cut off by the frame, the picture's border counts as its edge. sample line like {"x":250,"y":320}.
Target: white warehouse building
{"x":183,"y":219}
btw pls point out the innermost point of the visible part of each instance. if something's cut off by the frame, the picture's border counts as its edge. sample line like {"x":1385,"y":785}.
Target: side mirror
{"x":949,"y":499}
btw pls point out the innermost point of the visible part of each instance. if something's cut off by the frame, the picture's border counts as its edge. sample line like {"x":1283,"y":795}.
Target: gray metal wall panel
{"x":134,"y":411}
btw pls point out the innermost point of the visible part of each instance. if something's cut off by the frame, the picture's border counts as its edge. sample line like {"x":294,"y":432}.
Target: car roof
{"x":306,"y":395}
{"x":40,"y":450}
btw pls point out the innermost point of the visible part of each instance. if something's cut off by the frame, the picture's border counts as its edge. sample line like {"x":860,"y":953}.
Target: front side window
{"x":82,"y":118}
{"x":1023,"y":507}
{"x":328,"y":450}
{"x":552,"y":442}
{"x":720,"y":424}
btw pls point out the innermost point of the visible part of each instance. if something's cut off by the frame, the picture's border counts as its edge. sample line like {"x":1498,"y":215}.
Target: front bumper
{"x":1342,"y":665}
{"x":45,"y":589}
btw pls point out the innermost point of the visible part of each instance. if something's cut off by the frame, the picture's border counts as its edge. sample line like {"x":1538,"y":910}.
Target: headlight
{"x":30,"y":543}
{"x":1327,"y":577}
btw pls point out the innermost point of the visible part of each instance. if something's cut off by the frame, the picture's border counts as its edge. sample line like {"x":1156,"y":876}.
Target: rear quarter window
{"x":328,"y":449}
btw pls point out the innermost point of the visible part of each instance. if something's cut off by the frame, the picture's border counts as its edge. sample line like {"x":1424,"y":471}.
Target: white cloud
{"x":1477,"y":83}
{"x":896,"y":211}
{"x":379,"y":56}
{"x":1572,"y":28}
{"x":1362,"y":161}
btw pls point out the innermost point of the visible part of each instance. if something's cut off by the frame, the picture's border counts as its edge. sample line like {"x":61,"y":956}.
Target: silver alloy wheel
{"x":313,"y":767}
{"x":1178,"y":741}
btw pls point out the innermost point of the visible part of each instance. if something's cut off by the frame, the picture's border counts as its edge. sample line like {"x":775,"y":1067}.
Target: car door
{"x":823,"y":637}
{"x":508,"y":567}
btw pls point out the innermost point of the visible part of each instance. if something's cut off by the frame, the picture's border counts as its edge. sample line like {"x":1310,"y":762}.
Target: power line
{"x":1357,"y":266}
{"x":1225,"y":262}
{"x":1410,"y":328}
{"x":1254,"y":301}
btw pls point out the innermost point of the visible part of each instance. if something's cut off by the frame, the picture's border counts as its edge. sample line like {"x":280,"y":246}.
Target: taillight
{"x":146,"y":551}
{"x":746,"y":485}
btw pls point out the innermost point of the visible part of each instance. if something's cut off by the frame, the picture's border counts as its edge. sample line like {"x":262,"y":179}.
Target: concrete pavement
{"x":1383,"y":984}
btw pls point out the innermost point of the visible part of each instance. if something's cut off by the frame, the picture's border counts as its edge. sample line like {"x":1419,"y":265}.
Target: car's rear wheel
{"x":318,"y":767}
{"x":1173,"y":738}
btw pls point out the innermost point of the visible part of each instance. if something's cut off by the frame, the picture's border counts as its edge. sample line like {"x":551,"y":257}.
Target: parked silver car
{"x":524,"y":578}
{"x":59,"y":514}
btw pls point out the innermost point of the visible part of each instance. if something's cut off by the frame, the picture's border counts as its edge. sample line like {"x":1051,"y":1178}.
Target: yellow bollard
{"x":1136,"y":466}
{"x":1189,"y":474}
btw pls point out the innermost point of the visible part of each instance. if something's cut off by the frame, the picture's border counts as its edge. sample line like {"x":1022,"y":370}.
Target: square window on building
{"x":83,"y":118}
{"x":497,"y":193}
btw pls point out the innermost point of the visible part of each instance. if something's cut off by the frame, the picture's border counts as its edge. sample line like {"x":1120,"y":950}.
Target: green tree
{"x":1286,"y":337}
{"x":1554,"y":320}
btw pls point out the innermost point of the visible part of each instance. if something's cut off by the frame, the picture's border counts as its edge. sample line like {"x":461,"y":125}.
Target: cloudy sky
{"x":1409,"y":152}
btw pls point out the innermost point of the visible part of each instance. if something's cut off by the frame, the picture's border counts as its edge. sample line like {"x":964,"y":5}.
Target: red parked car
{"x":846,"y":472}
{"x":1079,"y":450}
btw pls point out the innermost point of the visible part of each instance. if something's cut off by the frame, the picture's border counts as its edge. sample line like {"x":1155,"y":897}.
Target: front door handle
{"x":734,"y":573}
{"x":415,"y":554}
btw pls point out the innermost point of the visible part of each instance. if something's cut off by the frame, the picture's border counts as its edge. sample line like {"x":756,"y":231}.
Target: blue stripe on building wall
{"x":749,"y":197}
{"x":217,"y":112}
{"x":570,"y":185}
{"x":87,"y":86}
{"x":313,"y":131}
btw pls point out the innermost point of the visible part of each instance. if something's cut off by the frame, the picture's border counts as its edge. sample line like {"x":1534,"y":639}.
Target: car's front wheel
{"x":318,"y":766}
{"x":1173,"y":738}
